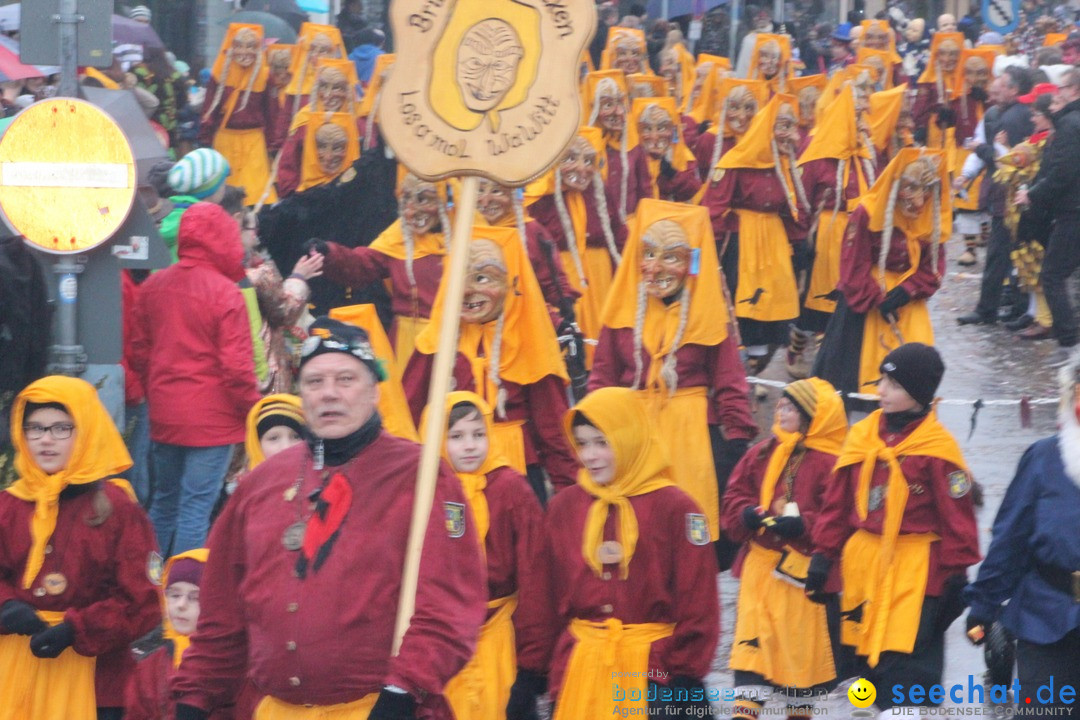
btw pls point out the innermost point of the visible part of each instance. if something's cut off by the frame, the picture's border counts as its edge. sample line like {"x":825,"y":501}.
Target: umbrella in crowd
{"x":13,"y":45}
{"x":122,"y":106}
{"x":126,"y":31}
{"x":273,"y":26}
{"x":11,"y":68}
{"x":287,"y":10}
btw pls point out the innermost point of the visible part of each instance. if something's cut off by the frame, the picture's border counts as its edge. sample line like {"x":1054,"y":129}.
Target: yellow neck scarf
{"x":180,"y":641}
{"x":825,"y":434}
{"x":98,"y":452}
{"x":865,"y":447}
{"x":640,"y":468}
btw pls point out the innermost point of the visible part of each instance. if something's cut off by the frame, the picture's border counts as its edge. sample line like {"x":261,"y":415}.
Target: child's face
{"x":894,"y":398}
{"x":182,"y":606}
{"x":595,"y":454}
{"x":467,"y":443}
{"x":787,"y":416}
{"x":276,"y":439}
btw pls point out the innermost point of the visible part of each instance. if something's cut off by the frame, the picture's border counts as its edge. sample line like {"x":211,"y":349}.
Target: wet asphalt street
{"x":982,"y":362}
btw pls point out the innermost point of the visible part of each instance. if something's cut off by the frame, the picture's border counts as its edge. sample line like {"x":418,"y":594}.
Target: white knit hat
{"x":140,"y":12}
{"x":199,"y":173}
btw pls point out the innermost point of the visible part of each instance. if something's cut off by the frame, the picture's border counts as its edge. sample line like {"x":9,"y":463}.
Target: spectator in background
{"x":156,"y":75}
{"x":840,"y":55}
{"x":762,"y":24}
{"x":608,"y":17}
{"x":370,"y":47}
{"x":140,"y":13}
{"x":192,"y":348}
{"x":351,"y":23}
{"x":1051,"y":61}
{"x":946,"y":23}
{"x":1057,"y":192}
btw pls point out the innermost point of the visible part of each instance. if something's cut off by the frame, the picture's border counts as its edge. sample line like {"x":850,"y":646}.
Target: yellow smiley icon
{"x":862,"y":693}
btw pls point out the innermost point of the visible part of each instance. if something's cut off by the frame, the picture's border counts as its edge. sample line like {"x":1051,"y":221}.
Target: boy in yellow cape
{"x":773,"y":504}
{"x":511,"y":656}
{"x":900,"y":518}
{"x":892,"y":262}
{"x":632,"y":579}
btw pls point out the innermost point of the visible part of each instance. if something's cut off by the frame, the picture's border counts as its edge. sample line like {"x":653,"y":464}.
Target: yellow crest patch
{"x":455,"y":519}
{"x":697,"y":529}
{"x":959,"y":484}
{"x":154,"y":567}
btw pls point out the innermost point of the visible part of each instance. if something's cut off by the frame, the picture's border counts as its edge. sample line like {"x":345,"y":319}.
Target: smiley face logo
{"x":862,"y":693}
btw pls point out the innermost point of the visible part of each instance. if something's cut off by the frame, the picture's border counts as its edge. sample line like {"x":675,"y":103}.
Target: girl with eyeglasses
{"x":77,"y":555}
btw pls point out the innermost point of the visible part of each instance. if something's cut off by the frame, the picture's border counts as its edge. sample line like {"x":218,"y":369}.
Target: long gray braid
{"x":568,"y":228}
{"x":887,"y":230}
{"x":639,"y":332}
{"x":668,"y":371}
{"x":783,"y":179}
{"x":493,"y":367}
{"x":605,"y":219}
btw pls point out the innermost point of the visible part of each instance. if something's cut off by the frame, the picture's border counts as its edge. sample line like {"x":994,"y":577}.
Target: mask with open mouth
{"x":245,"y":48}
{"x":486,"y":284}
{"x":656,"y":130}
{"x":578,"y":166}
{"x":665,"y":259}
{"x":494,"y":201}
{"x":419,"y":205}
{"x":611,"y":111}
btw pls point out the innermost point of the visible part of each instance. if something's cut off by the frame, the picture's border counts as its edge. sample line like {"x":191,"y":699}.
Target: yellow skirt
{"x":879,"y":339}
{"x":683,"y":421}
{"x":590,"y":307}
{"x":890,"y":609}
{"x":405,"y":332}
{"x":826,"y":273}
{"x":779,"y":633}
{"x":249,"y":165}
{"x":35,"y":688}
{"x":508,"y":437}
{"x":766,"y":291}
{"x":972,"y":202}
{"x":591,"y":688}
{"x":482,"y":689}
{"x":270,"y":708}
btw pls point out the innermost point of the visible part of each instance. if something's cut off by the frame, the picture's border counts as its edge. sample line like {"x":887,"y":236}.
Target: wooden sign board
{"x":485,"y":87}
{"x":67,"y":175}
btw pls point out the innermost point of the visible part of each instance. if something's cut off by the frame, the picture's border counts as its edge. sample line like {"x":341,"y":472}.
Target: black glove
{"x":318,"y":245}
{"x":816,"y":575}
{"x":566,"y":310}
{"x":946,"y":118}
{"x":979,"y":95}
{"x":53,"y":641}
{"x":393,"y":706}
{"x":21,"y":619}
{"x":788,"y":527}
{"x":704,"y":127}
{"x":666,"y":168}
{"x":190,"y":712}
{"x":751,"y":518}
{"x":975,"y":621}
{"x":894,"y":300}
{"x":684,"y":701}
{"x":919,"y":136}
{"x":527,"y":687}
{"x":951,"y":604}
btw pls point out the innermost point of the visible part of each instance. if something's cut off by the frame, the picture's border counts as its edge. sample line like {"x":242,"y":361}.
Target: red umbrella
{"x":12,"y":69}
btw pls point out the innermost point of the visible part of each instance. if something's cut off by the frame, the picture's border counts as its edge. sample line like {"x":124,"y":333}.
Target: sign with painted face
{"x":485,"y":87}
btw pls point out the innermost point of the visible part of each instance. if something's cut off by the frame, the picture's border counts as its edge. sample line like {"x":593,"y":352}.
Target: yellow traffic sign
{"x":67,"y":175}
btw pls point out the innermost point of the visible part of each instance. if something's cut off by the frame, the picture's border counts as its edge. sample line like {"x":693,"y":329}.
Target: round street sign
{"x":67,"y":175}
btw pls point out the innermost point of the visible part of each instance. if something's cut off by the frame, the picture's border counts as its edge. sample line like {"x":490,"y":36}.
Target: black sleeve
{"x":1062,"y":166}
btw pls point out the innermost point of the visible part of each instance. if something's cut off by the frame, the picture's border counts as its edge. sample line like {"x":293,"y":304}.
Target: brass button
{"x":606,"y":575}
{"x":607,"y":609}
{"x":291,"y":645}
{"x":294,"y":681}
{"x":48,"y":549}
{"x":293,"y":607}
{"x":39,"y":592}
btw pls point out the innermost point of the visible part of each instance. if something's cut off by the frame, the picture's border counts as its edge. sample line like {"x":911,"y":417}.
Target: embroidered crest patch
{"x":959,"y":484}
{"x":455,"y":519}
{"x":718,"y":174}
{"x":697,"y":529}
{"x":154,"y":567}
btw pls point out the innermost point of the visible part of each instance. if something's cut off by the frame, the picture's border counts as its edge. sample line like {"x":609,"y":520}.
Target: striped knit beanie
{"x":804,"y":396}
{"x":199,"y":173}
{"x":140,"y":12}
{"x":280,"y":413}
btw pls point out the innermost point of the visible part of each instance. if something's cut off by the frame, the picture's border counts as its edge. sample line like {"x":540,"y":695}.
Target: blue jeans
{"x":187,"y":482}
{"x":139,"y":448}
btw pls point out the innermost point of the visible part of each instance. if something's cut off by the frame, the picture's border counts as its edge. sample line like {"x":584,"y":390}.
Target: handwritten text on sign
{"x":467,"y":94}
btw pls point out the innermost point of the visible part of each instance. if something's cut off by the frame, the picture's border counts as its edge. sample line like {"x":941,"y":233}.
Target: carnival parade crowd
{"x":601,"y":463}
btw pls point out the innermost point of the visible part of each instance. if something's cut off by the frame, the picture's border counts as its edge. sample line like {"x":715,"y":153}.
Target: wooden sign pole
{"x":445,"y":354}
